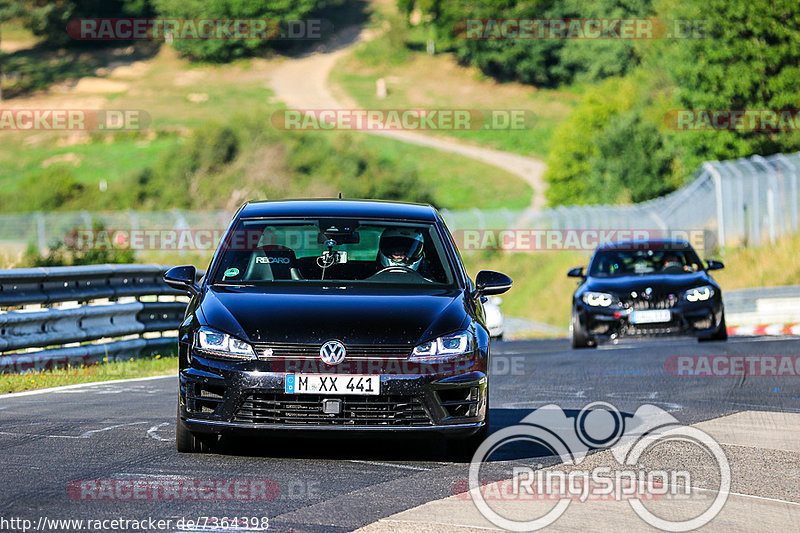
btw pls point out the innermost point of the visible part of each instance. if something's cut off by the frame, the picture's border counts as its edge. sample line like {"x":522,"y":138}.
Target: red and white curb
{"x":765,"y":329}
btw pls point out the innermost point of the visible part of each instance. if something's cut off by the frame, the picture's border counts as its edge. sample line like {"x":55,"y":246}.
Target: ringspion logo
{"x":629,"y":438}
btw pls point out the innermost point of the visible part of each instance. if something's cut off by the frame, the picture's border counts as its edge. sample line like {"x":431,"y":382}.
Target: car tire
{"x":720,"y":335}
{"x":579,"y":337}
{"x":189,"y":442}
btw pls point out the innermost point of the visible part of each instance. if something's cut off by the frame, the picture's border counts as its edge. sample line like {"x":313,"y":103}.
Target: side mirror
{"x":714,"y":265}
{"x":488,"y":282}
{"x":182,"y":278}
{"x":576,"y":272}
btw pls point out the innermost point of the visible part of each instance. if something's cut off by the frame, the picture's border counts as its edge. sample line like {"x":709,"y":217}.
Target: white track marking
{"x":152,"y":432}
{"x":79,"y":385}
{"x":393,"y":465}
{"x":84,"y":435}
{"x":87,"y":434}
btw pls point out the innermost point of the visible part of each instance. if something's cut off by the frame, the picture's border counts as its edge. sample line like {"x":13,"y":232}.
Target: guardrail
{"x":762,"y":306}
{"x":53,"y":317}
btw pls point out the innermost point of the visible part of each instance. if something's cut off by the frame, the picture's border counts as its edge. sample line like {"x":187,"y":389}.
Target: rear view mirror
{"x":576,"y":272}
{"x":182,"y":278}
{"x":340,"y":238}
{"x":489,"y":282}
{"x":714,"y":265}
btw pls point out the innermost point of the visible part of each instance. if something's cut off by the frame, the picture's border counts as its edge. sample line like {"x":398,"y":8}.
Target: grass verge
{"x":135,"y":368}
{"x":542,"y":291}
{"x":415,"y":79}
{"x":768,"y":265}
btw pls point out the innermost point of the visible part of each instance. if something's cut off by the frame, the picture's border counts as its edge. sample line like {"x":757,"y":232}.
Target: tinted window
{"x":308,"y":252}
{"x":610,"y":263}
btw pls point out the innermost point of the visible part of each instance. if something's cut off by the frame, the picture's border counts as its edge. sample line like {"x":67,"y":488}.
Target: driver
{"x":401,"y":247}
{"x":672,"y":261}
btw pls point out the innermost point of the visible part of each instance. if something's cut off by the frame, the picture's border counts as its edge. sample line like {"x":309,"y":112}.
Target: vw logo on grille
{"x":332,"y":353}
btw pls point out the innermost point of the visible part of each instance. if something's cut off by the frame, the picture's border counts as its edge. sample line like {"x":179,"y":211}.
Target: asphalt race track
{"x":125,"y":431}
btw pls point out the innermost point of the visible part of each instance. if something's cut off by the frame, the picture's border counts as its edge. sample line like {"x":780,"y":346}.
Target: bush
{"x":222,"y":164}
{"x":632,"y":162}
{"x":61,"y":253}
{"x":55,"y":188}
{"x":48,"y":19}
{"x":227,"y":49}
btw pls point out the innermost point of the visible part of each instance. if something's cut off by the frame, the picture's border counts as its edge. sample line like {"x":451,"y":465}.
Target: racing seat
{"x":272,"y":262}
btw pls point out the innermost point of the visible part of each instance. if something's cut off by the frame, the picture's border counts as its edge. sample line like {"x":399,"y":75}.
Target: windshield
{"x":333,"y":250}
{"x":612,"y":263}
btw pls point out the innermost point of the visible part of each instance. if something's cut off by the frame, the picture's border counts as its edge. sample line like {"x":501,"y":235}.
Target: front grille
{"x":302,"y":351}
{"x":656,"y":301}
{"x":668,"y":328}
{"x":306,"y":409}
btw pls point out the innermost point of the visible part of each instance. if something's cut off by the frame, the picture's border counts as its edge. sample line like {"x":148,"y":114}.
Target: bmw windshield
{"x":333,"y":250}
{"x":615,"y":263}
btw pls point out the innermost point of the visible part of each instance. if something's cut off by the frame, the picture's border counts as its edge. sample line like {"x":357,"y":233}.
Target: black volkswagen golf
{"x":319,"y":316}
{"x":646,"y":288}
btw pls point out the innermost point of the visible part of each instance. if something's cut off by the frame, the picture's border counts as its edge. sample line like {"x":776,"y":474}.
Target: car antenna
{"x":340,"y":195}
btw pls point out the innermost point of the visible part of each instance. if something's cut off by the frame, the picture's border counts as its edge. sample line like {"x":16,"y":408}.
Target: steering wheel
{"x":396,"y":267}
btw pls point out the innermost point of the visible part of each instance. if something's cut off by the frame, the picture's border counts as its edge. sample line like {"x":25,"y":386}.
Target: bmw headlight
{"x":223,"y":345}
{"x":597,"y":299}
{"x":447,"y":345}
{"x":699,"y":294}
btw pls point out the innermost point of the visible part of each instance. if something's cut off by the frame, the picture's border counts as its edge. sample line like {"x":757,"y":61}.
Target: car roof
{"x":646,"y":244}
{"x":316,"y":207}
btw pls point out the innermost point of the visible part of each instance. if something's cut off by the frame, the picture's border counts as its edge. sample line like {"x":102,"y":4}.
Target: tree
{"x":9,"y":9}
{"x":746,"y":58}
{"x":227,"y":49}
{"x":48,"y":18}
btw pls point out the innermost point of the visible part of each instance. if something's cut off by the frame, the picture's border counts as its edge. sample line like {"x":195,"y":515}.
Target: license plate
{"x":651,"y":316}
{"x":332,"y":384}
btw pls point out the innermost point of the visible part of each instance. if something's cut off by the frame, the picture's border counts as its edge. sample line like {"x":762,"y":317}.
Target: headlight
{"x":223,"y":345}
{"x":597,"y":299}
{"x":699,"y":294}
{"x":453,"y":344}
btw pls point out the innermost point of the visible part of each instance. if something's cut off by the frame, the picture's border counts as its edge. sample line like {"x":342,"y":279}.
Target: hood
{"x":660,"y":283}
{"x":353,"y":316}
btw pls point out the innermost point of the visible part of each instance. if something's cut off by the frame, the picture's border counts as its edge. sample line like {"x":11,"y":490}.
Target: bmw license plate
{"x":332,"y":384}
{"x":651,"y":316}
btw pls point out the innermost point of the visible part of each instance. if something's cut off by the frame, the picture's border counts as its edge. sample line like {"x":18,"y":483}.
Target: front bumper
{"x":695,"y":319}
{"x":221,"y":397}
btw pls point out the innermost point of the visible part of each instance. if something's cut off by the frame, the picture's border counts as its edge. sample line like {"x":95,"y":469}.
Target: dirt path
{"x":302,"y":83}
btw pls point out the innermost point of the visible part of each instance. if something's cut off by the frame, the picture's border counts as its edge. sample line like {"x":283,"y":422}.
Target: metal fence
{"x":743,"y":202}
{"x":51,"y":317}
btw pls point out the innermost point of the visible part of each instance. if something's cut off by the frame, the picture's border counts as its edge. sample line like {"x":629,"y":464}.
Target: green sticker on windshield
{"x":231,"y":272}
